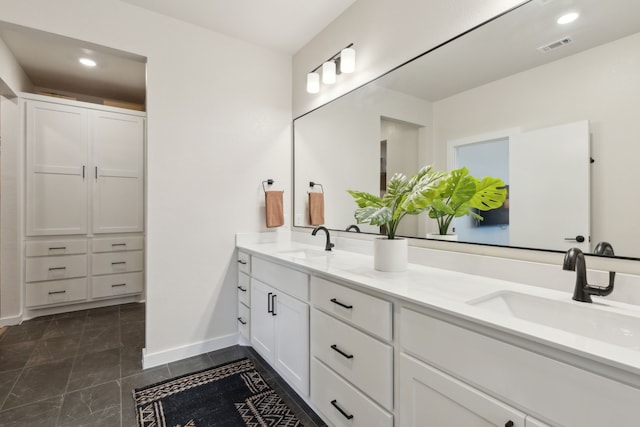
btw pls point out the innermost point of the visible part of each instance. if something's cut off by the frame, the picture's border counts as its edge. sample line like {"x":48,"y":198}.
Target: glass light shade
{"x":313,"y":82}
{"x":329,"y":73}
{"x":347,"y":60}
{"x":569,"y":17}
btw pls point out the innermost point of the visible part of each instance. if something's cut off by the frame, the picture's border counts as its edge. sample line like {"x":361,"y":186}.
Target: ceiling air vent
{"x":556,"y":44}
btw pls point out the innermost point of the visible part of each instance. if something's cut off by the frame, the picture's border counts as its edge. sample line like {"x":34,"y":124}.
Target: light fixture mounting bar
{"x":333,"y":58}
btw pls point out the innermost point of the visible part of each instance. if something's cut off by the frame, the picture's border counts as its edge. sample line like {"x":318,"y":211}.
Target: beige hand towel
{"x":274,"y":208}
{"x":316,"y":208}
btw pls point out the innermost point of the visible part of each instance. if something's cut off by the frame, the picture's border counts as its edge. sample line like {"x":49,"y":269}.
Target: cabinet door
{"x":117,"y":142}
{"x":56,"y":163}
{"x":292,"y":340}
{"x":262,"y":321}
{"x":430,"y":397}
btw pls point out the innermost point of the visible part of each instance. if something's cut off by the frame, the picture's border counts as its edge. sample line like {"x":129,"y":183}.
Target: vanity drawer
{"x":116,"y":284}
{"x":117,"y":262}
{"x":56,"y":247}
{"x":328,"y":387}
{"x":56,"y":292}
{"x":496,"y":367}
{"x":116,"y":244}
{"x":292,"y":282}
{"x":55,"y":267}
{"x":244,"y":262}
{"x":359,"y":358}
{"x":244,"y":289}
{"x":244,"y":319}
{"x":370,"y":313}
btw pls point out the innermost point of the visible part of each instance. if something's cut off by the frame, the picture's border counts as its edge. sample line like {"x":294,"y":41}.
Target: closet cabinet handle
{"x":58,"y":248}
{"x":335,"y":348}
{"x":83,"y":168}
{"x":118,"y":262}
{"x":242,"y":262}
{"x":269,"y":302}
{"x":242,"y":289}
{"x":273,"y":305}
{"x":118,"y":285}
{"x":57,"y":268}
{"x":57,"y":292}
{"x":335,"y":301}
{"x":96,"y":173}
{"x":118,"y":244}
{"x":342,"y":411}
{"x":242,"y":321}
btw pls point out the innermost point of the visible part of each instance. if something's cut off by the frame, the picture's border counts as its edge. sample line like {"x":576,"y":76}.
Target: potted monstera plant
{"x":459,"y":193}
{"x":404,"y":196}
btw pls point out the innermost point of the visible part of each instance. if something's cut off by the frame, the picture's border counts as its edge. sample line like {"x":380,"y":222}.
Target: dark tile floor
{"x":79,"y":369}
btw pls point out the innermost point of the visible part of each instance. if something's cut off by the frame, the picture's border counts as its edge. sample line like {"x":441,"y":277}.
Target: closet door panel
{"x":57,"y":153}
{"x":117,"y":172}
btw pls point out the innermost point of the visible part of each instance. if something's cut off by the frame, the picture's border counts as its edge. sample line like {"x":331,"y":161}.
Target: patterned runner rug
{"x":233,"y":394}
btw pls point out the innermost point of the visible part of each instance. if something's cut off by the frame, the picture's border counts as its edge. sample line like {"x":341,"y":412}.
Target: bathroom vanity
{"x":435,"y":347}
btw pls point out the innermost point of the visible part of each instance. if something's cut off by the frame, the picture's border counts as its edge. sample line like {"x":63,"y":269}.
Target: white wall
{"x":385,"y":34}
{"x":219,"y":114}
{"x":605,"y":94}
{"x":12,"y":77}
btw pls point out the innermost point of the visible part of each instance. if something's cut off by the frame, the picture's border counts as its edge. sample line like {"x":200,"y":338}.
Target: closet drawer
{"x":244,"y":319}
{"x":364,"y":361}
{"x":327,"y":387}
{"x":56,"y":292}
{"x":56,"y":247}
{"x":55,"y":267}
{"x":115,"y":244}
{"x":370,"y":313}
{"x":244,"y":262}
{"x":116,"y":262}
{"x":292,"y":282}
{"x":116,"y":284}
{"x":244,"y":289}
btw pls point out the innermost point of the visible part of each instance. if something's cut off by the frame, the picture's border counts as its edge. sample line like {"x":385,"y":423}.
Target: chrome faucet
{"x":328,"y":245}
{"x":574,"y":260}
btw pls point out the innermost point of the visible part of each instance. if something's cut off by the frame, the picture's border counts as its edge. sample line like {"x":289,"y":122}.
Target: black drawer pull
{"x":509,"y":424}
{"x":118,"y":262}
{"x":118,"y":244}
{"x":273,"y":305}
{"x":57,"y":268}
{"x":242,"y":321}
{"x":242,"y":289}
{"x":348,"y":356}
{"x":57,"y":292}
{"x":335,"y":301}
{"x":117,"y":285}
{"x":269,"y":302}
{"x":342,"y":411}
{"x":58,"y":248}
{"x":242,"y":262}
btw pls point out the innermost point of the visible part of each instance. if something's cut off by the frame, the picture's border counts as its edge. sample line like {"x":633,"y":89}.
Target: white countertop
{"x":448,"y":292}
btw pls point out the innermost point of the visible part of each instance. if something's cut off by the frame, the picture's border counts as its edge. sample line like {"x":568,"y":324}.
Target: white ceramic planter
{"x":390,"y":255}
{"x":448,"y":237}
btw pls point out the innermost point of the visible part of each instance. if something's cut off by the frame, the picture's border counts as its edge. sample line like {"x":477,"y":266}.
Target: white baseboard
{"x":10,"y":320}
{"x":150,"y":360}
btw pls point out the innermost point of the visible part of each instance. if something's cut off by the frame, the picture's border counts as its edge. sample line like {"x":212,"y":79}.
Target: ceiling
{"x":284,"y":25}
{"x":51,"y":61}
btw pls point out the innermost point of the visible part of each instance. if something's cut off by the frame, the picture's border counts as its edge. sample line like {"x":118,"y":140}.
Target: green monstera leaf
{"x":404,"y":196}
{"x":490,"y":194}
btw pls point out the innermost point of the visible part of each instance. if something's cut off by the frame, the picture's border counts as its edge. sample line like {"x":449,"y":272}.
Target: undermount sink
{"x":578,"y":318}
{"x":305,"y":253}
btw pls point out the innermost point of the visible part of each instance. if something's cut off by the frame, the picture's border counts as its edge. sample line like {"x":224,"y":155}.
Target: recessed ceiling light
{"x":87,"y":62}
{"x":569,"y":17}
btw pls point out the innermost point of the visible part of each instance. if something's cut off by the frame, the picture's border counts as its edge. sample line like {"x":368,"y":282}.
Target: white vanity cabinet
{"x":279,"y":316}
{"x":352,"y":355}
{"x":244,"y":295}
{"x":448,"y":372}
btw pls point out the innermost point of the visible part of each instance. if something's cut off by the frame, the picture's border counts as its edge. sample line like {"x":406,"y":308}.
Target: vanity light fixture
{"x":567,"y":18}
{"x":342,"y":62}
{"x":87,"y":62}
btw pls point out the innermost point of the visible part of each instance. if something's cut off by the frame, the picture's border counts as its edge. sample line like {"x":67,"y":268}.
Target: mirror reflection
{"x":550,"y":109}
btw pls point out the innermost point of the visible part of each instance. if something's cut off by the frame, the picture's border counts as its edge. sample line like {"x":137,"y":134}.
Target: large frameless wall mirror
{"x":550,"y":108}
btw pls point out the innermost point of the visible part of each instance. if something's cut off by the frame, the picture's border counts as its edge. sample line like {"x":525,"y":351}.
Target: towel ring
{"x":313,"y":184}
{"x":269,"y":182}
